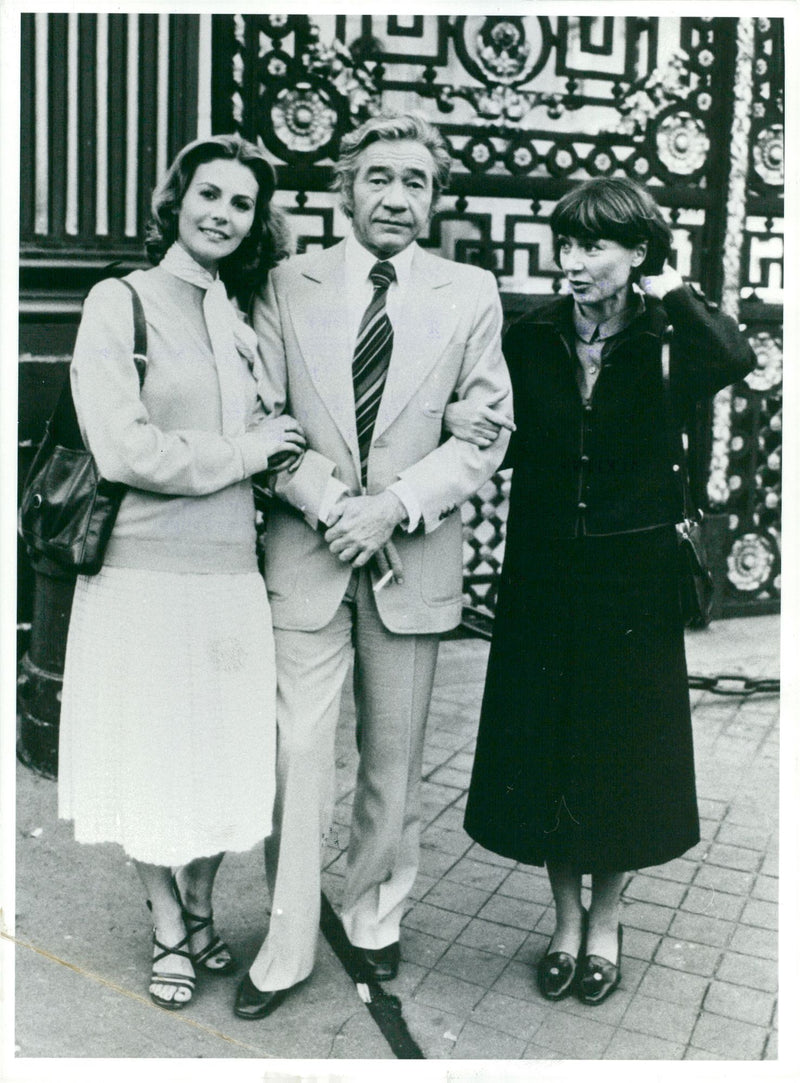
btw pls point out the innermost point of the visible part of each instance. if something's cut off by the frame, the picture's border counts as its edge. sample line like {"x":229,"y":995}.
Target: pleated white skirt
{"x":167,"y":734}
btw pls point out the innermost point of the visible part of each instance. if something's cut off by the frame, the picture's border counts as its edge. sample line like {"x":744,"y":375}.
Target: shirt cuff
{"x":405,"y":494}
{"x":334,"y":489}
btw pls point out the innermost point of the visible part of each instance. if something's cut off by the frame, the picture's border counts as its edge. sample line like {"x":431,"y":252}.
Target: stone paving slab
{"x":691,"y":925}
{"x":699,"y":956}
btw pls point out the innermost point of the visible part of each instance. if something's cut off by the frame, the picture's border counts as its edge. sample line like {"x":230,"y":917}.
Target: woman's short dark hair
{"x":244,"y":270}
{"x":615,"y":209}
{"x":389,"y":127}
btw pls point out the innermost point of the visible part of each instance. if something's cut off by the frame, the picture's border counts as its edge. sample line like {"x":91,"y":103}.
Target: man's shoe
{"x":378,"y":964}
{"x":251,"y":1003}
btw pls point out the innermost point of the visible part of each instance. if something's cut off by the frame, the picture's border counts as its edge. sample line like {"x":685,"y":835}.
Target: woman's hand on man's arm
{"x":477,"y":424}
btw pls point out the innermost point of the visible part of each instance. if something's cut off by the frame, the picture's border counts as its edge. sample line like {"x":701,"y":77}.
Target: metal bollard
{"x":41,"y":672}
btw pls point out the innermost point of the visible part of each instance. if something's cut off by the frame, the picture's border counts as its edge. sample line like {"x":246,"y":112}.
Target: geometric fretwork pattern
{"x":529,"y":105}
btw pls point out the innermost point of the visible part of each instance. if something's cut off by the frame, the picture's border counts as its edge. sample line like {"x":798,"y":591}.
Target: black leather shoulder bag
{"x":67,"y":510}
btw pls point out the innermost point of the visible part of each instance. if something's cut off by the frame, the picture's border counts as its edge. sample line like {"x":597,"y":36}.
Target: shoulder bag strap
{"x":139,"y":333}
{"x":62,"y":426}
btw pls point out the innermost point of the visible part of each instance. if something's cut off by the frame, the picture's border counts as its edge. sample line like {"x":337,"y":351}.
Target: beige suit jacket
{"x":447,"y":345}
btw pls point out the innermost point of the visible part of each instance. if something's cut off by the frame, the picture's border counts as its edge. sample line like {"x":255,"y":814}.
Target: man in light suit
{"x":366,"y":344}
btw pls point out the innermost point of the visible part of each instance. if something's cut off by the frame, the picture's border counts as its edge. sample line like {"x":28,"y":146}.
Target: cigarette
{"x":382,"y":582}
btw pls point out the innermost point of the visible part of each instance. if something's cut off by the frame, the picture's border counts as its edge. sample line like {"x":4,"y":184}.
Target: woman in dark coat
{"x":584,"y":759}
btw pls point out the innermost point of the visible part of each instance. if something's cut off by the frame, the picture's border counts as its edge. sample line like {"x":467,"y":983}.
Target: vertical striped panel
{"x":223,"y":47}
{"x":87,"y":129}
{"x":57,"y":122}
{"x":204,"y":77}
{"x":27,"y":153}
{"x":131,"y":141}
{"x":183,"y":44}
{"x":71,"y":220}
{"x":250,"y":81}
{"x":101,"y":114}
{"x":163,"y":95}
{"x":148,"y":112}
{"x":41,"y":125}
{"x":117,"y":123}
{"x":106,"y":100}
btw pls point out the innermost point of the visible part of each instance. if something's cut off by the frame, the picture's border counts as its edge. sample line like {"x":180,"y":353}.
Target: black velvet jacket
{"x":605,"y":468}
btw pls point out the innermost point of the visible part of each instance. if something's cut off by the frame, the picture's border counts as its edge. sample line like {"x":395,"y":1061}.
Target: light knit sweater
{"x":190,"y":505}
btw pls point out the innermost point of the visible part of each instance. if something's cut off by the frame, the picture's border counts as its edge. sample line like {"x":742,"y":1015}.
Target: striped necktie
{"x":371,"y":359}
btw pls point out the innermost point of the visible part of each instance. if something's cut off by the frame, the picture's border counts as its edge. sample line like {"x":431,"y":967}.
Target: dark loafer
{"x":556,"y":972}
{"x":598,"y":978}
{"x":378,"y":964}
{"x":252,"y":1003}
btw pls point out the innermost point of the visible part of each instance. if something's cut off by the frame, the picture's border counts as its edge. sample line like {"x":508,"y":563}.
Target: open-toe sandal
{"x":168,"y":977}
{"x":216,"y":946}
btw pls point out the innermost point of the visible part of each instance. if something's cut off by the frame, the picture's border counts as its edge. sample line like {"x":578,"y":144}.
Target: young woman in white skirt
{"x":167,"y":741}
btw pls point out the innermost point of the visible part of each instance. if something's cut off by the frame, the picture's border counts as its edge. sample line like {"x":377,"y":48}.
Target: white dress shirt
{"x":358,"y":262}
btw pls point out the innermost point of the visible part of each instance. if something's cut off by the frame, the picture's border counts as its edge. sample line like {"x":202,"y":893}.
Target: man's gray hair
{"x":389,"y":127}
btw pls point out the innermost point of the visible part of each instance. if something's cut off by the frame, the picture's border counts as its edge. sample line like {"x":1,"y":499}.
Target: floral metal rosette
{"x":752,"y":562}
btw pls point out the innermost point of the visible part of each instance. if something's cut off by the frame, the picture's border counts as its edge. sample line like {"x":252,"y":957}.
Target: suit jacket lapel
{"x":318,"y":308}
{"x":425,"y":328}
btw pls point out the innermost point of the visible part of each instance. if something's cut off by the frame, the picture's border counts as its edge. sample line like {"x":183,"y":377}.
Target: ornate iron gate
{"x":693,"y":107}
{"x":528,"y":104}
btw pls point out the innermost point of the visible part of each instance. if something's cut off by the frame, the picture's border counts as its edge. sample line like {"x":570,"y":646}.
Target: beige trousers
{"x":393,"y":679}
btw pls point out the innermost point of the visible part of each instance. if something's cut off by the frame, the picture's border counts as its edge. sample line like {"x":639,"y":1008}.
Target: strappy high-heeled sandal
{"x":196,"y":923}
{"x":169,"y":977}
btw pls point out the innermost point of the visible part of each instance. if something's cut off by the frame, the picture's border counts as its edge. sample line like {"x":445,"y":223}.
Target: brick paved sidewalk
{"x":700,"y":948}
{"x":700,"y":945}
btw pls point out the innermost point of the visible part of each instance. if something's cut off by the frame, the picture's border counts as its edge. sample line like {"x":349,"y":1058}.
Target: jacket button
{"x":587,"y":408}
{"x":584,"y":458}
{"x":582,"y":506}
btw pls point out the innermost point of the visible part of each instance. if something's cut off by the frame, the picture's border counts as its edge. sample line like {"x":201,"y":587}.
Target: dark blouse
{"x":603,"y":466}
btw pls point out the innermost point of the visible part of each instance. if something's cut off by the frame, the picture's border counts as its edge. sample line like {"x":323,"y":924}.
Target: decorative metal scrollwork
{"x":769,"y":354}
{"x":308,"y":100}
{"x":648,"y":96}
{"x":768,"y":155}
{"x":602,"y":162}
{"x":767,"y":168}
{"x":752,"y":562}
{"x":505,"y":49}
{"x":479,"y":154}
{"x":528,"y":106}
{"x":521,"y":156}
{"x":682,"y":143}
{"x":500,"y":104}
{"x":302,"y":119}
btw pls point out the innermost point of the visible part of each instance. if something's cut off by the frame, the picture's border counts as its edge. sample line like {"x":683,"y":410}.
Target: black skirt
{"x":584,"y":750}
